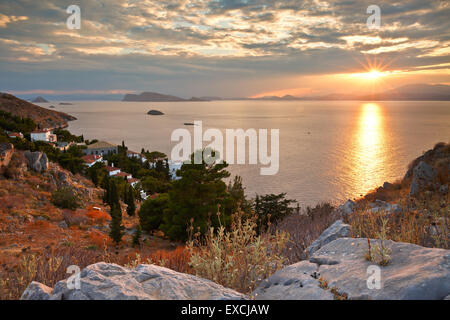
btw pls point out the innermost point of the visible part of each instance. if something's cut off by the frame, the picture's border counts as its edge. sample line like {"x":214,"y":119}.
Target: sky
{"x":226,"y":48}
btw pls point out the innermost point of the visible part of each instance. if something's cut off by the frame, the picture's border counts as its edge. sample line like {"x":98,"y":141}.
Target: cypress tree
{"x":137,"y":236}
{"x":113,"y":195}
{"x":129,"y":200}
{"x":116,"y":229}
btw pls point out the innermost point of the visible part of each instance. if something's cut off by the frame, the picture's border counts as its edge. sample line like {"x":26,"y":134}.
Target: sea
{"x":327,"y":150}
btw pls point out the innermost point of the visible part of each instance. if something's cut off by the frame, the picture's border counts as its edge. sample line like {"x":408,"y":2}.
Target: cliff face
{"x":44,"y":117}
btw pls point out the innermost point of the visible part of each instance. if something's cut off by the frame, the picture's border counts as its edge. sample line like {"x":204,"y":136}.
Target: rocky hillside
{"x":342,"y":263}
{"x":44,"y":117}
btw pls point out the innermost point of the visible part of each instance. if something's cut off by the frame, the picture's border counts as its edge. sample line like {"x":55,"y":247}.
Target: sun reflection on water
{"x":369,"y":158}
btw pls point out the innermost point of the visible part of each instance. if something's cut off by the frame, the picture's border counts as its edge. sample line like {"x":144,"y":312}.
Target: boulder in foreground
{"x":414,"y":273}
{"x":337,"y":230}
{"x":104,"y":281}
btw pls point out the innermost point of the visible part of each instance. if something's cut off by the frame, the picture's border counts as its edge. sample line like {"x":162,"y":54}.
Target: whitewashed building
{"x":92,"y":159}
{"x":43,"y":135}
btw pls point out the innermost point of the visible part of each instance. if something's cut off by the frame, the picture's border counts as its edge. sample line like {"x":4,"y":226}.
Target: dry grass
{"x":424,"y":222}
{"x":238,"y":258}
{"x":48,"y":268}
{"x":305,"y":227}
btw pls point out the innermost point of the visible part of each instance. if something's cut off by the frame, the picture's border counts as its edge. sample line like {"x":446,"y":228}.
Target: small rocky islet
{"x":155,"y":113}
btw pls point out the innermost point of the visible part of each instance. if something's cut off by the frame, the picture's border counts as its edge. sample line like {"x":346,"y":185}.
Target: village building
{"x":133,"y":154}
{"x":123,"y":175}
{"x":92,"y":159}
{"x":101,"y":148}
{"x":43,"y":135}
{"x":15,"y":135}
{"x":112,"y":171}
{"x":143,"y":195}
{"x":136,"y":155}
{"x":133,"y":182}
{"x":63,"y":146}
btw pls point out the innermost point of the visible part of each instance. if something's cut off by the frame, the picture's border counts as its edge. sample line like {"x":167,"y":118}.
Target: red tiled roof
{"x":40,"y":131}
{"x":15,"y":134}
{"x":110,"y":169}
{"x":122,"y":174}
{"x":91,"y":158}
{"x":132,"y":180}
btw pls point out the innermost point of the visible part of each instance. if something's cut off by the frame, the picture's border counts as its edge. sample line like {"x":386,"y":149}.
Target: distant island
{"x":412,"y":92}
{"x":39,"y":99}
{"x":65,"y":104}
{"x":155,"y":113}
{"x":157,"y":97}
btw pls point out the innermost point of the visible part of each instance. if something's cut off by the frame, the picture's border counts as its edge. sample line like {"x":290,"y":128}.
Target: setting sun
{"x":373,"y":74}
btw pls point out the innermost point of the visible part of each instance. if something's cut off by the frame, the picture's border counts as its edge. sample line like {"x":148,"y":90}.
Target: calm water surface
{"x":329,"y":151}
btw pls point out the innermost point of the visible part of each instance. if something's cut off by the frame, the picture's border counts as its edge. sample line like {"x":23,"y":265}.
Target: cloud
{"x":4,"y":19}
{"x":157,"y":44}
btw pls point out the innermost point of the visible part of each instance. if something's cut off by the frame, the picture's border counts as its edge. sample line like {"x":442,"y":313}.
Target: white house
{"x":15,"y":135}
{"x":112,"y":171}
{"x":173,"y":167}
{"x":43,"y":135}
{"x":101,"y":148}
{"x":143,"y":195}
{"x":63,"y":145}
{"x":123,"y":175}
{"x":133,"y":181}
{"x":92,"y":159}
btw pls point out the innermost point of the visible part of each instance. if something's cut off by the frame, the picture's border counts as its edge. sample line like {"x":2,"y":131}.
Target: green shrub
{"x":65,"y":198}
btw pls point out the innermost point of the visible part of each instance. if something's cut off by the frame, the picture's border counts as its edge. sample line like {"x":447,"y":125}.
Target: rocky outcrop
{"x":347,"y":207}
{"x":337,"y":230}
{"x":6,"y":152}
{"x":103,"y":281}
{"x":383,"y":206}
{"x":423,"y":178}
{"x":37,"y":161}
{"x":414,"y":272}
{"x":295,"y":282}
{"x":36,"y":291}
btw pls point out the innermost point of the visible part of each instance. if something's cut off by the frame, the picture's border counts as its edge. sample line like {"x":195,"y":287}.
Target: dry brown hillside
{"x":44,"y":117}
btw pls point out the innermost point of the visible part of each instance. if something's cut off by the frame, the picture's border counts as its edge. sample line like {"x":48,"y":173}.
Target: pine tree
{"x":116,"y":229}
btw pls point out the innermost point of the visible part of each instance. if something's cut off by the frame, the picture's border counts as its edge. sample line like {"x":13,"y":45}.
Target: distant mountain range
{"x":419,"y":92}
{"x":413,"y":92}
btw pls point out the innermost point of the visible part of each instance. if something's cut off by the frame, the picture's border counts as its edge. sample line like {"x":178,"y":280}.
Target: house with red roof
{"x":92,"y":159}
{"x":112,"y":171}
{"x":123,"y":175}
{"x":133,"y":181}
{"x":15,"y":135}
